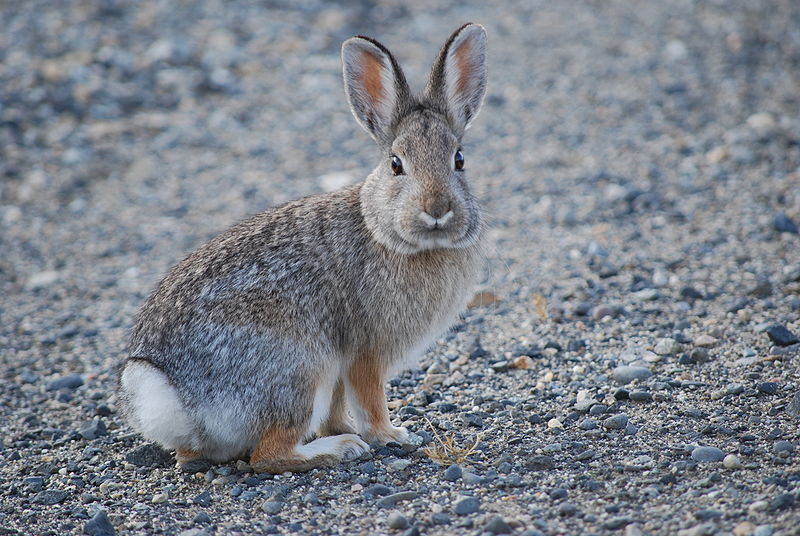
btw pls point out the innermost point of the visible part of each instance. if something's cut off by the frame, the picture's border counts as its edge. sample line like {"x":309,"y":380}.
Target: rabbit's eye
{"x":397,"y":165}
{"x":459,"y":160}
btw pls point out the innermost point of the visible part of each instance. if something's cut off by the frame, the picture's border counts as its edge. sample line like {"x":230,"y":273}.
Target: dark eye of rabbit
{"x":397,"y":165}
{"x":459,"y":160}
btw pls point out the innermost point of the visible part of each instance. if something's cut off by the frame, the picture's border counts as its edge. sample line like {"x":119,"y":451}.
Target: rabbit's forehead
{"x":423,"y":135}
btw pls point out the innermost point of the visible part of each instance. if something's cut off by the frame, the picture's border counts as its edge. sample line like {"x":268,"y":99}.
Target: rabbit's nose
{"x":437,"y":208}
{"x":435,"y":223}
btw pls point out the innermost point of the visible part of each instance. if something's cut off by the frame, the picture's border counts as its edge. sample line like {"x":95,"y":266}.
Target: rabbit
{"x":275,"y":339}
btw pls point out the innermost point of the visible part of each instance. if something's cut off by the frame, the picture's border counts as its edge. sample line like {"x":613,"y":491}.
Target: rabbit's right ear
{"x":374,"y":84}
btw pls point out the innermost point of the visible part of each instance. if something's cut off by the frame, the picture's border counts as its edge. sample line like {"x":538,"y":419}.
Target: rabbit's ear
{"x":375,"y":85}
{"x":457,"y":81}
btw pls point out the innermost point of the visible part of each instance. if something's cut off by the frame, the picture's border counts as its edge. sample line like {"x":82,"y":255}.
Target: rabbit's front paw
{"x":388,"y":434}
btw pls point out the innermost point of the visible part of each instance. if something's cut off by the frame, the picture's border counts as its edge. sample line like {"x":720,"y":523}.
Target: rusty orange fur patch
{"x":187,"y":455}
{"x":276,"y":443}
{"x":366,"y":378}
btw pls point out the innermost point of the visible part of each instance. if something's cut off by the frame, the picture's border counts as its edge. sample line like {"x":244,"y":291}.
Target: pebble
{"x":453,"y":473}
{"x":497,"y":525}
{"x":705,"y":341}
{"x":769,"y":388}
{"x":616,"y":422}
{"x":398,"y":465}
{"x":149,"y":455}
{"x":554,"y":423}
{"x":466,"y":505}
{"x":204,"y":499}
{"x":783,"y":446}
{"x":667,"y":346}
{"x":793,"y":407}
{"x":270,"y":507}
{"x":50,"y":497}
{"x":784,"y":501}
{"x":781,"y":336}
{"x":391,"y":500}
{"x":745,"y":528}
{"x":731,"y":461}
{"x":707,"y":454}
{"x":641,"y":396}
{"x":195,"y":466}
{"x":397,"y":521}
{"x":72,"y":381}
{"x":763,"y":530}
{"x":784,"y":224}
{"x":93,"y":430}
{"x":159,"y":498}
{"x":99,"y":525}
{"x":587,"y":424}
{"x":34,"y":483}
{"x":625,"y":374}
{"x":202,"y":517}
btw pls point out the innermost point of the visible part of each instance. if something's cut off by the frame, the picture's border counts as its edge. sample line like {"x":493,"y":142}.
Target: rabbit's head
{"x":418,"y":198}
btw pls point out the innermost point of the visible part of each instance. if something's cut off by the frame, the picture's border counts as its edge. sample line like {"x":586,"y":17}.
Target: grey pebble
{"x":784,"y":224}
{"x":616,"y":422}
{"x":394,"y":498}
{"x":202,"y":517}
{"x":440,"y":518}
{"x":587,"y":424}
{"x":784,"y":501}
{"x":625,"y":374}
{"x":466,"y":505}
{"x":793,"y":407}
{"x":72,"y":381}
{"x":707,"y":454}
{"x":453,"y":473}
{"x":377,"y":490}
{"x":99,"y":525}
{"x":397,"y":521}
{"x":497,"y":525}
{"x":93,"y":430}
{"x":471,"y":478}
{"x":783,"y":446}
{"x":781,"y":336}
{"x":150,"y":455}
{"x":641,"y":396}
{"x":50,"y":497}
{"x":34,"y":483}
{"x":196,"y":466}
{"x":204,"y":499}
{"x":271,"y":507}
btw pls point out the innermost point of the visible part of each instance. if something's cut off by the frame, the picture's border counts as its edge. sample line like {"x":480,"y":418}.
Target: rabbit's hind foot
{"x":280,"y":451}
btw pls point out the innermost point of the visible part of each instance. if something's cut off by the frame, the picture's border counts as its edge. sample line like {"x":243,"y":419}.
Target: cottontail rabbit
{"x":280,"y":329}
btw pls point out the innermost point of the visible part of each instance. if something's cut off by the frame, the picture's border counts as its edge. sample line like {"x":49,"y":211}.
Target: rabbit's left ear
{"x":375,"y":85}
{"x":457,"y":81}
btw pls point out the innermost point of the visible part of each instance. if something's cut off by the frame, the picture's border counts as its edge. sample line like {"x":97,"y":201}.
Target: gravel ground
{"x":633,"y":367}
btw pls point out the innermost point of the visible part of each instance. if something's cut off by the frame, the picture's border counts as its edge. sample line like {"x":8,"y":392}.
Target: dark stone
{"x":453,"y":473}
{"x":391,"y":500}
{"x":72,"y":381}
{"x":707,"y":514}
{"x":377,"y":490}
{"x":691,"y":293}
{"x":540,"y":462}
{"x":769,"y":388}
{"x":477,"y":350}
{"x":440,"y":519}
{"x":567,"y":510}
{"x":793,"y":407}
{"x":467,"y":505}
{"x":781,"y":336}
{"x":784,"y":501}
{"x":473,"y":420}
{"x":99,"y":525}
{"x":50,"y":497}
{"x":784,"y":224}
{"x":94,"y":429}
{"x":204,"y":499}
{"x":617,"y":522}
{"x":497,"y":525}
{"x":34,"y":483}
{"x":150,"y":455}
{"x":195,"y":466}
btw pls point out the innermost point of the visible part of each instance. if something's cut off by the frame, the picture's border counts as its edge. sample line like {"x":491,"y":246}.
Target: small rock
{"x":150,"y":455}
{"x":793,"y":407}
{"x":784,"y":501}
{"x":667,"y":346}
{"x":42,"y":279}
{"x":781,"y":336}
{"x":391,"y":500}
{"x":497,"y":525}
{"x":731,"y":461}
{"x":540,"y":462}
{"x":705,"y":341}
{"x":707,"y":454}
{"x":602,"y":311}
{"x":94,"y":429}
{"x":72,"y":381}
{"x":159,"y":498}
{"x":641,"y":396}
{"x":769,"y":388}
{"x":698,"y":355}
{"x":204,"y":499}
{"x":784,"y":224}
{"x":466,"y":505}
{"x":616,"y":422}
{"x":50,"y":497}
{"x":587,"y":424}
{"x":398,"y":465}
{"x":99,"y":525}
{"x":523,"y":362}
{"x":397,"y":521}
{"x":554,"y":423}
{"x":195,"y":466}
{"x":707,"y":514}
{"x":745,"y":528}
{"x":453,"y":473}
{"x":34,"y":483}
{"x":783,"y":446}
{"x":202,"y":517}
{"x":567,"y":509}
{"x":625,"y":374}
{"x":271,"y":507}
{"x":706,"y":529}
{"x":763,"y":530}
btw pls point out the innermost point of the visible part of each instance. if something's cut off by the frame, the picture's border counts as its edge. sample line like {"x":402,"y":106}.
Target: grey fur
{"x":249,"y":324}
